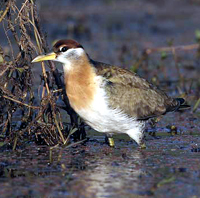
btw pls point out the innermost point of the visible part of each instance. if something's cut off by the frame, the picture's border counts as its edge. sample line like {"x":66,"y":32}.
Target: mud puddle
{"x":169,"y":167}
{"x":116,"y":32}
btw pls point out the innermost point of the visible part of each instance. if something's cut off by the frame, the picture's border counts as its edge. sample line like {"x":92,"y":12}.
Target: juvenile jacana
{"x":110,"y":99}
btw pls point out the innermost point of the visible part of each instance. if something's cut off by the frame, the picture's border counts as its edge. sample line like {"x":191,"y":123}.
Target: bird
{"x":110,"y":99}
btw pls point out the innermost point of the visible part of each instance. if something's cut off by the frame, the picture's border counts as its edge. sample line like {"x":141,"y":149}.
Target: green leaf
{"x":2,"y":143}
{"x":197,"y":35}
{"x":1,"y":59}
{"x":20,"y":69}
{"x":133,"y":68}
{"x":196,"y":105}
{"x":10,"y":74}
{"x":163,"y":55}
{"x":166,"y":181}
{"x":73,"y":130}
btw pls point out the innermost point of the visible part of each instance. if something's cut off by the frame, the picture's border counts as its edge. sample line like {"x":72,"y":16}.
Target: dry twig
{"x":172,"y":49}
{"x":16,"y":89}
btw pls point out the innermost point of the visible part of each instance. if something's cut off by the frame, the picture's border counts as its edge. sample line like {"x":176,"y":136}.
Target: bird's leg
{"x":109,"y":140}
{"x":142,"y":144}
{"x":153,"y":122}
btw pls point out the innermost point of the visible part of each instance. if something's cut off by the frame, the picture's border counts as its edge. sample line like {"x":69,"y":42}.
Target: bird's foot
{"x":110,"y":141}
{"x":143,"y":146}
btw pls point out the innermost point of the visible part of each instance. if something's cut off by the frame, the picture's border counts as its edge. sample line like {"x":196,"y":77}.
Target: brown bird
{"x":110,"y":99}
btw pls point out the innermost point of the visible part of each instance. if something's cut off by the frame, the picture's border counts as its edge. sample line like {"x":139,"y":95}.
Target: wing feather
{"x":132,"y":94}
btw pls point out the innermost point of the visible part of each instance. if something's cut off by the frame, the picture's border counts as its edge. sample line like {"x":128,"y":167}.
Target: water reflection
{"x":112,"y":177}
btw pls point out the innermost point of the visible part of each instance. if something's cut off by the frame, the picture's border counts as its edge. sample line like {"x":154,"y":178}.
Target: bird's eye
{"x":63,"y":49}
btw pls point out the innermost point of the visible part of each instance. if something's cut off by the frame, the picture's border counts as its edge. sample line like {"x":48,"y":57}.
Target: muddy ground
{"x":117,"y":32}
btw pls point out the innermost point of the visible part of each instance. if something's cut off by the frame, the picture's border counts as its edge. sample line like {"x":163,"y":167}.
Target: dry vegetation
{"x":22,"y":115}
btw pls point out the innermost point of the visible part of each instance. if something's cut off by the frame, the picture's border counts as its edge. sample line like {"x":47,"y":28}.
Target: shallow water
{"x":169,"y":167}
{"x":117,"y":32}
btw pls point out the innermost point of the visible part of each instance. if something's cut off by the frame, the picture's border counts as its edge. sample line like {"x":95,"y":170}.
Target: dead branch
{"x":43,"y":120}
{"x":21,"y":103}
{"x":5,"y":12}
{"x":172,"y":49}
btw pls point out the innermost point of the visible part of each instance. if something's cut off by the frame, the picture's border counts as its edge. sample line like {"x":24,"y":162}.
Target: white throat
{"x":70,"y":58}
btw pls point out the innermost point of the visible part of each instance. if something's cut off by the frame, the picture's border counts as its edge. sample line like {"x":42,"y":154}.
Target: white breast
{"x":104,"y":119}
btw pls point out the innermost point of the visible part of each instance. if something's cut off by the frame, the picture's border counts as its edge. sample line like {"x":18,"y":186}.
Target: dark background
{"x":118,"y":32}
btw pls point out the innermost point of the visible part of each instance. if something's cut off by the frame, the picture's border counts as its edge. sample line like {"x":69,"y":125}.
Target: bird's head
{"x":66,"y":52}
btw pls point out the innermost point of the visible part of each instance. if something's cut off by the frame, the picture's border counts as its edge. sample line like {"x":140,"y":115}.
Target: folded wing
{"x":134,"y":95}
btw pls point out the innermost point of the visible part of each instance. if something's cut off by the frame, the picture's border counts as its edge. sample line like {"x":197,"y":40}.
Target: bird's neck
{"x":80,"y":84}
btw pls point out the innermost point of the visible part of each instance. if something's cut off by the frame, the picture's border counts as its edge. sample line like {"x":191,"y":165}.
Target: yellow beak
{"x":50,"y":56}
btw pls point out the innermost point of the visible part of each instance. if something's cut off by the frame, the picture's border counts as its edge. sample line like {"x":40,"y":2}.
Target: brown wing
{"x":133,"y":94}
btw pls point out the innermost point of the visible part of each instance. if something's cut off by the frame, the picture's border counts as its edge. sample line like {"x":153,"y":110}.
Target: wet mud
{"x":168,"y":167}
{"x":118,"y":33}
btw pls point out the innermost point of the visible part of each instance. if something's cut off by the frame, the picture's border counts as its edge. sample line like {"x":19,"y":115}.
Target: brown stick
{"x":172,"y":49}
{"x":21,"y":103}
{"x":5,"y":12}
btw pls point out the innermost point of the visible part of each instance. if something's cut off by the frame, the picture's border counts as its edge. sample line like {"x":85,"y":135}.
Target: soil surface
{"x":117,"y":32}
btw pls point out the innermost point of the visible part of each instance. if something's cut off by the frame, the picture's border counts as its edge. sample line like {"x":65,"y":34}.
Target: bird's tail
{"x":182,"y":105}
